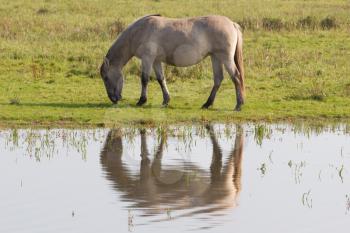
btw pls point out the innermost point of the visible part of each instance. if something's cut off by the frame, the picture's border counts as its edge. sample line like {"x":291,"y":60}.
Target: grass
{"x":296,"y":59}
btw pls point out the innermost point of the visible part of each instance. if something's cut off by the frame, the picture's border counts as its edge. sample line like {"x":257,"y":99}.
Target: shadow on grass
{"x":63,"y":105}
{"x":118,"y":106}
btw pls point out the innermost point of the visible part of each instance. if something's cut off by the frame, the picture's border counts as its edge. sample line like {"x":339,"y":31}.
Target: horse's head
{"x":113,"y":80}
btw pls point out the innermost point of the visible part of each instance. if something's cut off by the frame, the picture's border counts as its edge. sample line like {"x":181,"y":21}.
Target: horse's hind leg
{"x":218,"y":77}
{"x":146,"y":71}
{"x":157,"y":66}
{"x":234,"y":74}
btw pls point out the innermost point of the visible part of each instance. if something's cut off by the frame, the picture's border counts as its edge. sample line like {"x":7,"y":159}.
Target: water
{"x":221,"y":178}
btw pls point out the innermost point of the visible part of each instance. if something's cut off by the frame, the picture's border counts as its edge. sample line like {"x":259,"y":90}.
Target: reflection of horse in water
{"x":156,"y":188}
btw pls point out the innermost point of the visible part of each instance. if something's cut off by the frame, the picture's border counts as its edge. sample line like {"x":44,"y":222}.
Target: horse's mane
{"x":136,"y":22}
{"x":128,"y":32}
{"x":147,"y":16}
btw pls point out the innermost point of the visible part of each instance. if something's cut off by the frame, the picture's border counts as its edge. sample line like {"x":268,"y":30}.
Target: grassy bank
{"x":296,"y":57}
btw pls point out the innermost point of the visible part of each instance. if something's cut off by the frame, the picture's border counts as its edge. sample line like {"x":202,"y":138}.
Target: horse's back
{"x":184,"y":42}
{"x":192,"y":28}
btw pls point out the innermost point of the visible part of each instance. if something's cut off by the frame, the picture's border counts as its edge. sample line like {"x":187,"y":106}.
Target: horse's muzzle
{"x":114,"y":99}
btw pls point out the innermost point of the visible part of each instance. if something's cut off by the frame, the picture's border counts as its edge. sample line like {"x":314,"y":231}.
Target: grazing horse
{"x":179,"y":42}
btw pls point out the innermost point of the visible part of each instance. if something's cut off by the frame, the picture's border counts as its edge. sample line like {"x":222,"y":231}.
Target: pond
{"x":207,"y":178}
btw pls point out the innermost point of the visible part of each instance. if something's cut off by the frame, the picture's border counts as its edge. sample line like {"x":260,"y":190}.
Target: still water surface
{"x":218,"y":178}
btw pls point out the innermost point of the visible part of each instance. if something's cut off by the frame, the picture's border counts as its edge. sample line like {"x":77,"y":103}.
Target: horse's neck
{"x":119,"y":54}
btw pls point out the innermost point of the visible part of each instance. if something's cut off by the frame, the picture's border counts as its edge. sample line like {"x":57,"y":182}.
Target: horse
{"x":179,"y":42}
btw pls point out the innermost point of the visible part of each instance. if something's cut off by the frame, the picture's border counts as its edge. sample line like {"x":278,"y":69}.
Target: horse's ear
{"x":106,"y":62}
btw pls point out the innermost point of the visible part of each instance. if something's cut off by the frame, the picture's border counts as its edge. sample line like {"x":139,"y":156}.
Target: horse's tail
{"x":239,"y":57}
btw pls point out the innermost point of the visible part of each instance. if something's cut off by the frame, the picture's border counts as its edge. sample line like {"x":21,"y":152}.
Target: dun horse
{"x":179,"y":42}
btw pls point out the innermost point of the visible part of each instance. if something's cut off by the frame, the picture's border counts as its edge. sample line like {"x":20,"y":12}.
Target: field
{"x":296,"y":57}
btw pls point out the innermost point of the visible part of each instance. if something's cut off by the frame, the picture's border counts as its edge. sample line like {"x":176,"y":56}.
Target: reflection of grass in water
{"x":39,"y":143}
{"x":262,"y":169}
{"x":297,"y":170}
{"x":341,"y":173}
{"x":48,"y":143}
{"x":317,"y":128}
{"x":261,"y":132}
{"x":307,"y":199}
{"x":347,"y":203}
{"x":15,"y":137}
{"x":130,"y":221}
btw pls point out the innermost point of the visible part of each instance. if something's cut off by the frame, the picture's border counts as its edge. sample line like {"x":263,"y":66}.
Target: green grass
{"x":296,"y":60}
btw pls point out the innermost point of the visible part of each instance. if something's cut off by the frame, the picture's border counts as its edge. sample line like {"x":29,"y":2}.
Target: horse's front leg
{"x":146,"y":71}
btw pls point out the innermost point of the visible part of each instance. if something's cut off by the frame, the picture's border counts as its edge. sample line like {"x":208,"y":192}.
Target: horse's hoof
{"x":141,"y":101}
{"x":237,"y":108}
{"x":165,"y":103}
{"x":166,"y":100}
{"x":205,"y":106}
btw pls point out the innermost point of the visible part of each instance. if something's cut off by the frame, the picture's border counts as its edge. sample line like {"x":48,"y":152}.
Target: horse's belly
{"x":187,"y":55}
